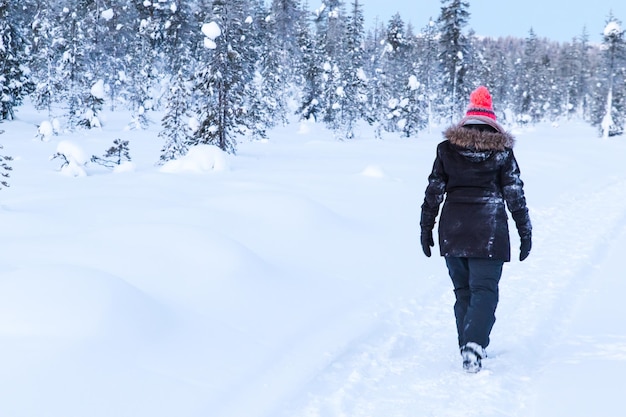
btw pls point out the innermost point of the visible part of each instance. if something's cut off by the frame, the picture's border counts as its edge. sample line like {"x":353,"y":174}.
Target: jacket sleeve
{"x":435,"y":191}
{"x":513,"y":192}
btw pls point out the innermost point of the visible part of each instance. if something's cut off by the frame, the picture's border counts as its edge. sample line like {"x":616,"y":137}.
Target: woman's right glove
{"x":427,"y":242}
{"x":526,"y":244}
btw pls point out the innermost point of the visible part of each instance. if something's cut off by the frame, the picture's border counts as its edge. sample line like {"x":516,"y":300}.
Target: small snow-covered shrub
{"x":72,"y":157}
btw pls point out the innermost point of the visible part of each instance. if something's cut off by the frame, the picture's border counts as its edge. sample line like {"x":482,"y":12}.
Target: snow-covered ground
{"x":288,"y":281}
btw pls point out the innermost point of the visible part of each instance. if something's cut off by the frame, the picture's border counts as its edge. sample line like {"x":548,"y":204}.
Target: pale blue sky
{"x":560,"y":20}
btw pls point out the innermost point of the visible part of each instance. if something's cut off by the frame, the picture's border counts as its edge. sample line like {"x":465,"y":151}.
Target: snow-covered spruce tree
{"x":323,"y":85}
{"x":568,"y":75}
{"x":281,"y":56}
{"x":43,"y":58}
{"x":426,"y":69}
{"x":144,"y":69}
{"x":582,"y":81}
{"x":376,"y":104}
{"x":414,"y":108}
{"x":312,"y":54}
{"x":454,"y":48}
{"x":397,"y":67}
{"x":176,"y":130}
{"x":353,"y":99}
{"x":14,"y":81}
{"x":610,"y":96}
{"x":267,"y":96}
{"x":270,"y":78}
{"x":115,"y":155}
{"x":531,"y":81}
{"x":118,"y":40}
{"x":223,"y":79}
{"x":177,"y":58}
{"x":178,"y":39}
{"x":73,"y":70}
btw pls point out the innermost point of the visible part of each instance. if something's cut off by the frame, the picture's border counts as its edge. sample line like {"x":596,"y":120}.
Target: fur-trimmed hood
{"x":479,"y":140}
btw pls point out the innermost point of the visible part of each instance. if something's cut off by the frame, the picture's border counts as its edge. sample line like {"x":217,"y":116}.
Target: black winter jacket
{"x":477,"y":173}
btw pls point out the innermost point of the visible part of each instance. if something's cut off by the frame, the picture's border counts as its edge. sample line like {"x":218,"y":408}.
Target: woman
{"x":477,"y":172}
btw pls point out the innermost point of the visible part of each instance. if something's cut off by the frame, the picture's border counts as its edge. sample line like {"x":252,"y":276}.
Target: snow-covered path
{"x":551,"y":335}
{"x":293,"y":285}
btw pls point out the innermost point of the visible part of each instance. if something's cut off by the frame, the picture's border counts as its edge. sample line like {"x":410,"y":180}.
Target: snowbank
{"x":201,"y":158}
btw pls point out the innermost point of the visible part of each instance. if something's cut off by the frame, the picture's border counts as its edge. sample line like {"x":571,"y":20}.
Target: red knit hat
{"x":481,"y":104}
{"x":480,"y":110}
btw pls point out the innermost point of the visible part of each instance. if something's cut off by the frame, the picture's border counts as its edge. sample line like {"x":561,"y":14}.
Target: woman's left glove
{"x":524,"y":250}
{"x":427,"y":242}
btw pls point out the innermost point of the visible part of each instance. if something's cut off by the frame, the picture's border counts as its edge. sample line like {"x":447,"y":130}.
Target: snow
{"x":211,"y":30}
{"x":201,"y":158}
{"x":290,"y":282}
{"x":74,"y":157}
{"x":97,"y":90}
{"x":413,"y":83}
{"x":612,"y":28}
{"x":107,"y":14}
{"x":45,"y":130}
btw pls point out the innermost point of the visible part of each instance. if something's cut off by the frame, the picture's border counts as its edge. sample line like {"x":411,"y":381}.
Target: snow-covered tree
{"x":14,"y":81}
{"x":312,"y":54}
{"x":354,"y":97}
{"x":426,"y":69}
{"x":329,"y":38}
{"x":397,"y":67}
{"x":115,"y":155}
{"x":43,"y":58}
{"x":286,"y":28}
{"x":223,"y":79}
{"x":454,"y":49}
{"x":177,"y":123}
{"x":611,"y":118}
{"x":376,"y":105}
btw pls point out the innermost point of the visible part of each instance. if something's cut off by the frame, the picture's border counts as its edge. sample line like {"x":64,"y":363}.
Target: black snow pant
{"x":476,"y":289}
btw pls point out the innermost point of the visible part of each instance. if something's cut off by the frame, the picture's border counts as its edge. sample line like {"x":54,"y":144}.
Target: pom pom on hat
{"x":480,"y":104}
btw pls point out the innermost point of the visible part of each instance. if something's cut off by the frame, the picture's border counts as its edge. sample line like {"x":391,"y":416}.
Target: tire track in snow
{"x":410,"y":367}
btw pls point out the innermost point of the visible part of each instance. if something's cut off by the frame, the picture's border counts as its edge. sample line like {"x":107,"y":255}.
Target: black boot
{"x":472,"y":354}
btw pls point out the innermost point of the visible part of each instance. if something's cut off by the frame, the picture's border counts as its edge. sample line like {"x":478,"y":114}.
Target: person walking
{"x":477,"y":173}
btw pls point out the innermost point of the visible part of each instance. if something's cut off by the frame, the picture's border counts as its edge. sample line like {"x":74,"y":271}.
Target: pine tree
{"x":354,"y":97}
{"x":14,"y":81}
{"x":454,"y":50}
{"x":426,"y":52}
{"x":72,"y":68}
{"x":268,"y":96}
{"x":222,"y":82}
{"x":531,"y":81}
{"x":176,"y":131}
{"x":281,"y":54}
{"x":145,"y":71}
{"x":614,"y":60}
{"x":396,"y":67}
{"x":415,"y":110}
{"x":312,"y":54}
{"x":330,"y":24}
{"x":115,"y":155}
{"x":585,"y":69}
{"x":43,"y":58}
{"x":376,"y":106}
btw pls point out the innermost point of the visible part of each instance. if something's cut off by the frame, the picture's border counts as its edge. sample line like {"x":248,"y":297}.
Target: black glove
{"x":427,"y":241}
{"x":524,"y":249}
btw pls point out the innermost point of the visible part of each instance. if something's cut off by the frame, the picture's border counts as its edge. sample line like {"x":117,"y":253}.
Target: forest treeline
{"x":218,"y":70}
